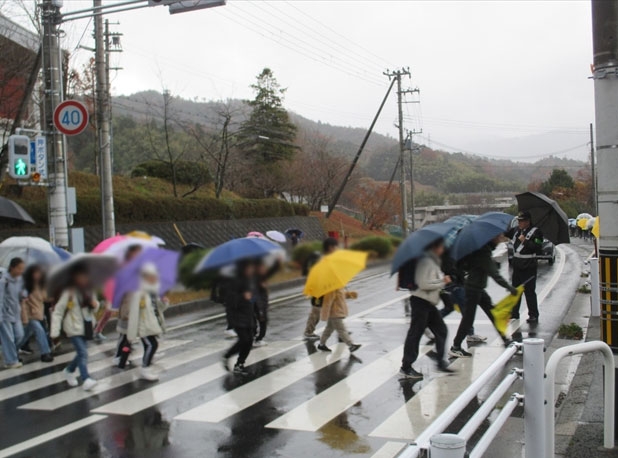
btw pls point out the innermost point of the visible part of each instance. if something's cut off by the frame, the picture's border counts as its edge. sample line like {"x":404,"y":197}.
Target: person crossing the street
{"x":429,"y":281}
{"x":11,"y":329}
{"x":527,"y":244}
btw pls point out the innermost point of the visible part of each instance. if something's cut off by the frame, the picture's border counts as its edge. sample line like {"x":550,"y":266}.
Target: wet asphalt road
{"x":295,"y":402}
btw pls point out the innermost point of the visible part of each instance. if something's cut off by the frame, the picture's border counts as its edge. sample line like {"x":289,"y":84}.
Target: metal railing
{"x":538,"y":401}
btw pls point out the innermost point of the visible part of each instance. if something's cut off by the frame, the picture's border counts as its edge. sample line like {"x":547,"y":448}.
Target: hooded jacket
{"x":69,"y":315}
{"x":429,"y":279}
{"x":141,"y":315}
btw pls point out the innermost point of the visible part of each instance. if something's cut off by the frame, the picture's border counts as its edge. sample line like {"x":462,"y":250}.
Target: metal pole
{"x":605,"y":60}
{"x":402,"y":175}
{"x":52,"y":80}
{"x":447,"y":446}
{"x":534,"y":414}
{"x":492,"y":432}
{"x":413,"y":223}
{"x":550,"y":380}
{"x":595,"y":297}
{"x":103,"y":123}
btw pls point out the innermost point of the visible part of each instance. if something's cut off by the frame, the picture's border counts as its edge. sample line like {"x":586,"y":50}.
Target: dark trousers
{"x":449,"y":306}
{"x":263,"y":324}
{"x":151,"y":344}
{"x":519,"y":277}
{"x":474,"y":297}
{"x":123,"y":350}
{"x":243,"y":345}
{"x":424,"y":315}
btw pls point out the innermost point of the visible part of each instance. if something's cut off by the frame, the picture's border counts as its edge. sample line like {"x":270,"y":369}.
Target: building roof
{"x":19,"y":34}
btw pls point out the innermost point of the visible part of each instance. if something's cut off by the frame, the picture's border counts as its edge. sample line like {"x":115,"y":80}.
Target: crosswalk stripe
{"x":76,"y":394}
{"x":253,"y":392}
{"x":389,"y":450}
{"x":57,"y":377}
{"x":410,"y":420}
{"x":167,"y":390}
{"x":319,"y":410}
{"x":51,"y":435}
{"x":64,"y":358}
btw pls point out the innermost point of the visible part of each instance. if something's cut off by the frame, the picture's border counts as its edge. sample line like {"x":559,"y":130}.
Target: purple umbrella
{"x":127,"y":278}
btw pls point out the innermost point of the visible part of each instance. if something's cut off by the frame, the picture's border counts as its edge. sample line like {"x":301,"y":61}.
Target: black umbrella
{"x":546,"y":215}
{"x":12,"y":212}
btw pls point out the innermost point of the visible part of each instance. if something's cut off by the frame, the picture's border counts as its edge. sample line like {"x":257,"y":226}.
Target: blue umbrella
{"x":128,"y":277}
{"x":457,"y":223}
{"x":475,"y":236}
{"x":415,"y":245}
{"x":62,"y":253}
{"x":236,"y":250}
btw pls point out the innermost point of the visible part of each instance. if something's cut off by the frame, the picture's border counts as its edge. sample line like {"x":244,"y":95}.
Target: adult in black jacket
{"x":239,"y":303}
{"x":527,"y":244}
{"x":263,"y":273}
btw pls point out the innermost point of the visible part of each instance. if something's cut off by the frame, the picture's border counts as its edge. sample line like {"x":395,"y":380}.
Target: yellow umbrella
{"x":596,"y":230}
{"x":582,"y":223}
{"x":334,"y":271}
{"x":502,"y":310}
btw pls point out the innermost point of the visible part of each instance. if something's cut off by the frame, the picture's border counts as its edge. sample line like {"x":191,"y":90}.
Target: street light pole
{"x":52,"y":81}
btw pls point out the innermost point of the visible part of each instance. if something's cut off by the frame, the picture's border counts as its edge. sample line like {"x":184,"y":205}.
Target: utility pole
{"x":595,"y":202}
{"x":101,"y":37}
{"x":605,"y":65}
{"x":52,"y":81}
{"x":412,"y":149}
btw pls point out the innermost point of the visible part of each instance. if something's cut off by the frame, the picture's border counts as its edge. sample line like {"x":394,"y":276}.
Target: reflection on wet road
{"x":295,"y":401}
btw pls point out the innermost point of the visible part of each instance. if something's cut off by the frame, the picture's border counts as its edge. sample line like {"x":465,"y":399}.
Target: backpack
{"x":406,"y":276}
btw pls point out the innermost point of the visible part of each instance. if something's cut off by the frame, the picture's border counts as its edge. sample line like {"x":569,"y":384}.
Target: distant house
{"x":17,"y":60}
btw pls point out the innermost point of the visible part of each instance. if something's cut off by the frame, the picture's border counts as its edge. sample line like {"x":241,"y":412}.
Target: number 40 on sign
{"x":70,"y":117}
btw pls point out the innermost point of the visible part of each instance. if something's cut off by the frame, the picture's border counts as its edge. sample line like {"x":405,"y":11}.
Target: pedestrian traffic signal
{"x":19,"y":157}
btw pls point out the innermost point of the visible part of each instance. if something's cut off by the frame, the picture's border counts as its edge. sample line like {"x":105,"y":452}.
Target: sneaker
{"x":146,"y":373}
{"x":323,"y":348}
{"x":474,"y":338}
{"x":458,"y":352}
{"x":25,"y":351}
{"x":47,"y":358}
{"x":443,"y":367}
{"x":533,"y":320}
{"x":89,"y":384}
{"x":70,"y":377}
{"x":99,"y":337}
{"x":410,"y":373}
{"x":311,"y":336}
{"x":230,"y":334}
{"x":240,"y":369}
{"x":354,"y":347}
{"x":16,"y":365}
{"x":259,"y":343}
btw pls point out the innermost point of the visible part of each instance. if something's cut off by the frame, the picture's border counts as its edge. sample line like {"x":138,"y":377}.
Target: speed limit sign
{"x":71,"y":117}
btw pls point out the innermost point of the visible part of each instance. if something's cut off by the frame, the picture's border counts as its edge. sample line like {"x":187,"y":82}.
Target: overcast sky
{"x":487,"y":70}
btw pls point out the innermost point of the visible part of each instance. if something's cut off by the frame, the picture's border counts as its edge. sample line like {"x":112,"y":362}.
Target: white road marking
{"x":76,"y":394}
{"x":389,"y":450}
{"x":319,"y":410}
{"x":162,"y":392}
{"x":253,"y":392}
{"x":57,"y":377}
{"x":51,"y":435}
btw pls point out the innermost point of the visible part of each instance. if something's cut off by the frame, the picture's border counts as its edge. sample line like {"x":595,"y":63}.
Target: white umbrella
{"x":590,"y":224}
{"x":276,"y":236}
{"x":119,"y":249}
{"x":100,"y":268}
{"x":584,"y":216}
{"x":33,"y":250}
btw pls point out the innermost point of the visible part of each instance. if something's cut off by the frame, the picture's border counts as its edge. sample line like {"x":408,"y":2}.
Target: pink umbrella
{"x":256,"y":235}
{"x":107,"y":243}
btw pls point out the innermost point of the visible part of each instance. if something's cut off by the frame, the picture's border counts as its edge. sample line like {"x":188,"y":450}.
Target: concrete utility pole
{"x":52,"y":83}
{"x":605,"y":61}
{"x":593,"y":172}
{"x":101,"y":38}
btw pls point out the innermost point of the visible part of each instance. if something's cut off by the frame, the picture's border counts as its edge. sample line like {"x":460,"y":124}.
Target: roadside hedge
{"x":301,"y":252}
{"x":381,"y":246}
{"x":190,"y":280}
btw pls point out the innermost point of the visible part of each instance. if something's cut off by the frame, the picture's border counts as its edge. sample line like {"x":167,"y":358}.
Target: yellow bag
{"x":502,"y":310}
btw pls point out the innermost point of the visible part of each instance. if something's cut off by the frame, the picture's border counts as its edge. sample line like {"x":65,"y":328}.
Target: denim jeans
{"x":10,"y":335}
{"x":35,"y":327}
{"x":81,"y":357}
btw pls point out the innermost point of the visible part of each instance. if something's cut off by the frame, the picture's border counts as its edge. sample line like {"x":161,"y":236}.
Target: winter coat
{"x":334,"y":305}
{"x":524,"y":253}
{"x":33,"y":306}
{"x":240,"y":310}
{"x":479,"y":267}
{"x":141,"y":315}
{"x":429,"y":279}
{"x":10,"y":295}
{"x":69,"y":315}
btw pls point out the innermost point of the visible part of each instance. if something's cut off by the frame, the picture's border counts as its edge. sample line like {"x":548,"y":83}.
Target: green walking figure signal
{"x":21,"y":168}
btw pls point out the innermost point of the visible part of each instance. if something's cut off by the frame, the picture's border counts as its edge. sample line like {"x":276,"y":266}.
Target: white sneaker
{"x":89,"y":384}
{"x":474,"y":338}
{"x":16,"y":365}
{"x":146,"y":373}
{"x":230,"y":334}
{"x":259,"y":343}
{"x":70,"y":377}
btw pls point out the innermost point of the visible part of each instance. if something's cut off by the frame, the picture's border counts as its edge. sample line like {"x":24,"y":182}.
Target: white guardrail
{"x":538,"y":401}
